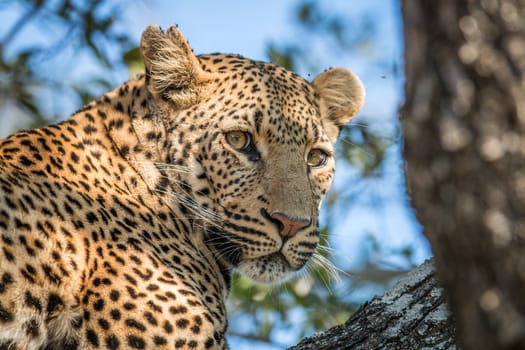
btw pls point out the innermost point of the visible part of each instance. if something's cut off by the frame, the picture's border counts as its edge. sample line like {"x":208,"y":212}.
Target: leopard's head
{"x":252,"y":148}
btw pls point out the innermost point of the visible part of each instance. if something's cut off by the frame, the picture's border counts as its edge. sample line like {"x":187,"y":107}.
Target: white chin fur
{"x":267,"y":269}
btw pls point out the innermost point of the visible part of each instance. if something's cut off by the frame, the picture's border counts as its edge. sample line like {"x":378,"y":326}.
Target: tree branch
{"x":411,"y":315}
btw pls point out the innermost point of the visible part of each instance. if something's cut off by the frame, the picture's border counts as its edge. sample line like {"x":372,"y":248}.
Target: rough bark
{"x":464,"y":130}
{"x":411,"y":315}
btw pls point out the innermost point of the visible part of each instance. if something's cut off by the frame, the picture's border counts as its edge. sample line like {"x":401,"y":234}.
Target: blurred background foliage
{"x":33,"y":92}
{"x":55,"y":27}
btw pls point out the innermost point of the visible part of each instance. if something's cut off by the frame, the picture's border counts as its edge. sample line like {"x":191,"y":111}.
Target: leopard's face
{"x":257,"y":143}
{"x":261,"y":165}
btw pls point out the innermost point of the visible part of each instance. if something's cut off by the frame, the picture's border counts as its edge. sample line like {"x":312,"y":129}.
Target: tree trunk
{"x":464,"y":130}
{"x":411,"y":315}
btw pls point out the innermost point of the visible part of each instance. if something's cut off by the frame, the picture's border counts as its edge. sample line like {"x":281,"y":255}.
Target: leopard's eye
{"x":239,"y":140}
{"x":316,"y":158}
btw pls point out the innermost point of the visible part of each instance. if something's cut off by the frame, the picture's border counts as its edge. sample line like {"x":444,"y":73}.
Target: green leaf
{"x":283,"y":58}
{"x":132,"y":56}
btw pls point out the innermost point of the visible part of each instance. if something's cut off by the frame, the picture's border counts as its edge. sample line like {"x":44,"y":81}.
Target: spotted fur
{"x":120,"y":227}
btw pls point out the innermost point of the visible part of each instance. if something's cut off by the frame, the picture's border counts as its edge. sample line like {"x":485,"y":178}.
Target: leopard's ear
{"x":173,"y":73}
{"x":342,"y":96}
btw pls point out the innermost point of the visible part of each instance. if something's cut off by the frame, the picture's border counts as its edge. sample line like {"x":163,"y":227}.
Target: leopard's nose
{"x":289,"y":226}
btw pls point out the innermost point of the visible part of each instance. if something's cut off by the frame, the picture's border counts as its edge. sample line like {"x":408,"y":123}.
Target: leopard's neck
{"x":137,"y":144}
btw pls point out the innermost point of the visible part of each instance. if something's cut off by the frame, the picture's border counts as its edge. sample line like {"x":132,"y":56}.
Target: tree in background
{"x":33,"y":85}
{"x":464,"y":129}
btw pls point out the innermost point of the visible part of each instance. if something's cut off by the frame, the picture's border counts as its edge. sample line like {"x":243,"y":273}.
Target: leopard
{"x":121,"y":226}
